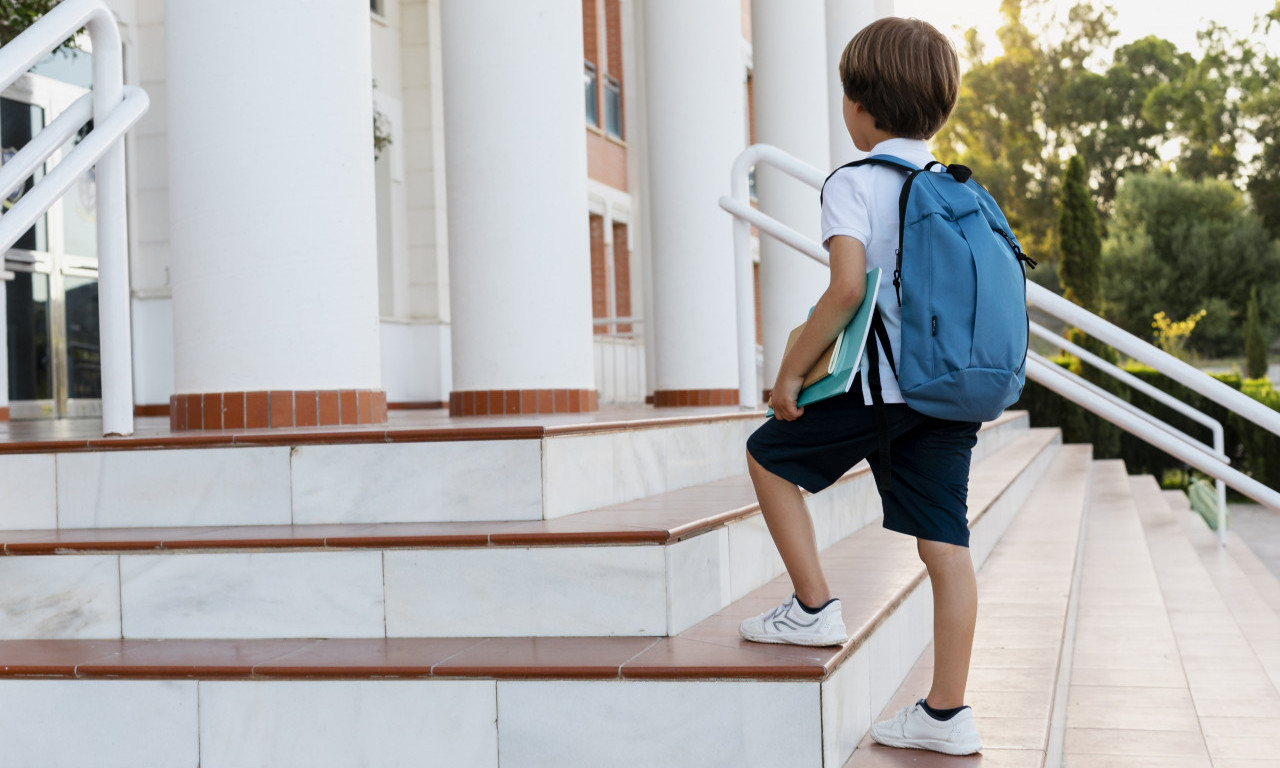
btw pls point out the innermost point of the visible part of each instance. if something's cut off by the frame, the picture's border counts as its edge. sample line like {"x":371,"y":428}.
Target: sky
{"x":1170,"y":19}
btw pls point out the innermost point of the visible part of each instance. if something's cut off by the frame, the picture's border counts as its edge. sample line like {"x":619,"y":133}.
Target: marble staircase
{"x":569,"y":629}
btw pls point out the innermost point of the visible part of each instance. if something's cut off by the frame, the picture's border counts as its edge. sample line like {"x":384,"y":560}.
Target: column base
{"x":669,"y":398}
{"x":277,"y":408}
{"x":515,"y":402}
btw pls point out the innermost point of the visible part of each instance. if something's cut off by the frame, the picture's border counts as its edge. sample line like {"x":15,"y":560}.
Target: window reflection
{"x":30,"y":361}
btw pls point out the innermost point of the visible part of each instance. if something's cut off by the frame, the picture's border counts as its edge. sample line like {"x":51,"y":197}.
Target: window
{"x":612,"y":107}
{"x":593,"y":103}
{"x":376,"y":6}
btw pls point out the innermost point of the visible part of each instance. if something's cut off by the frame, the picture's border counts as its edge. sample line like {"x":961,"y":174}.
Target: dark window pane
{"x":30,"y":364}
{"x":612,"y":108}
{"x":593,"y":105}
{"x":20,"y":121}
{"x":84,"y":358}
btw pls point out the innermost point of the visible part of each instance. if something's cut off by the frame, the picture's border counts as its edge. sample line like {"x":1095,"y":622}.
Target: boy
{"x":900,"y":78}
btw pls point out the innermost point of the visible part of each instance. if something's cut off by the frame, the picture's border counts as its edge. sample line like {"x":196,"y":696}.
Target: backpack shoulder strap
{"x":888,"y":161}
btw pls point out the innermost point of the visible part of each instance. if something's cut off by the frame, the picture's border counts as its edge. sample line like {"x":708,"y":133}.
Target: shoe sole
{"x":945,"y":749}
{"x":814,"y":642}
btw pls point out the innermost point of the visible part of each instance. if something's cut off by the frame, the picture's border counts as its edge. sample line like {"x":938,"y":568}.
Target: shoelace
{"x":776,"y":612}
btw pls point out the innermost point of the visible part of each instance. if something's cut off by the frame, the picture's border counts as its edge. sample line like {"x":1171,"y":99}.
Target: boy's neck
{"x":879,"y":137}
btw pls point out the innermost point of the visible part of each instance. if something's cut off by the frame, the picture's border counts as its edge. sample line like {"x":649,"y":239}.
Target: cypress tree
{"x":1079,"y":269}
{"x":1255,"y":343}
{"x":1080,"y":273}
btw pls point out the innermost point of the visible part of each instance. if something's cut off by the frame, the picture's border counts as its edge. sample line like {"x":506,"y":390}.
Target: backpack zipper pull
{"x":897,"y":277}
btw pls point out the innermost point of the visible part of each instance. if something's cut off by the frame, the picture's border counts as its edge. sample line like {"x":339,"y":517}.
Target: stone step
{"x":472,"y":469}
{"x":1258,"y":621}
{"x":703,"y":698}
{"x":652,"y":567}
{"x":1237,"y":705}
{"x":1023,"y":628}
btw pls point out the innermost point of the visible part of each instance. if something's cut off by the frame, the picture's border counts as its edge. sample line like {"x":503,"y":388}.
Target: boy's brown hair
{"x":905,"y":73}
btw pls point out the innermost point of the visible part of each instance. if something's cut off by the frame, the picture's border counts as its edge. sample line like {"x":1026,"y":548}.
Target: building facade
{"x":535,"y":230}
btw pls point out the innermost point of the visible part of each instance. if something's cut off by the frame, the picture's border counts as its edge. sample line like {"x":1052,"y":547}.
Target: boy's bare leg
{"x":792,"y":531}
{"x":955,"y":613}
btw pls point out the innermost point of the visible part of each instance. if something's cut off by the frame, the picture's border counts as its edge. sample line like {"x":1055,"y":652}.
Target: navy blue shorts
{"x":929,"y":460}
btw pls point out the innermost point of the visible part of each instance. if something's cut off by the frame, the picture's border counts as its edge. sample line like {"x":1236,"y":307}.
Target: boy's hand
{"x":783,"y":398}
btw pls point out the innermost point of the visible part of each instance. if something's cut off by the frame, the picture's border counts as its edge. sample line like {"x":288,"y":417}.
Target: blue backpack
{"x":961,"y":284}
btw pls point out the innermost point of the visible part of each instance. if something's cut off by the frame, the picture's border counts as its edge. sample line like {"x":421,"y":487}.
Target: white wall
{"x":422,"y":88}
{"x":416,"y":361}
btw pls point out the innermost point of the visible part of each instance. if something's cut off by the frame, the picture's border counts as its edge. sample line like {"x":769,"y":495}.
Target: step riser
{"x":457,"y":723}
{"x":364,"y":483}
{"x":138,"y":724}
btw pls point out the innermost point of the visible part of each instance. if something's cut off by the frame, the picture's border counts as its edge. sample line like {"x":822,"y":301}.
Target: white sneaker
{"x":914,"y":728}
{"x":791,"y":624}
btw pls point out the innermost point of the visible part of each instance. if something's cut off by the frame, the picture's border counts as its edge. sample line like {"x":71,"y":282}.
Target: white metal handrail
{"x":1183,"y":373}
{"x":115,"y":108}
{"x":1159,"y":395}
{"x":1051,"y":376}
{"x":1120,"y":402}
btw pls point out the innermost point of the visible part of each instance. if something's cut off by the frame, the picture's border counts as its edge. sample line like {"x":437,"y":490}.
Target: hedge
{"x":1252,"y":449}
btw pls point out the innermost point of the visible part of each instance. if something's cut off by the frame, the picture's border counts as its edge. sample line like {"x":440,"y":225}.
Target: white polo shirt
{"x":862,"y":203}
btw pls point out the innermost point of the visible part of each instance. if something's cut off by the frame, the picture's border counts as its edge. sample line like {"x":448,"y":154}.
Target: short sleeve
{"x":846,"y":208}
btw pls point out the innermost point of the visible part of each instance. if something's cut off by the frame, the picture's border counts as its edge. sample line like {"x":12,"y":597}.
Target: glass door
{"x":52,"y":302}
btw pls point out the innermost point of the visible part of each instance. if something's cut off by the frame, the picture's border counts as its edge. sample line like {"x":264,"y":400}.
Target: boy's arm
{"x":834,"y":310}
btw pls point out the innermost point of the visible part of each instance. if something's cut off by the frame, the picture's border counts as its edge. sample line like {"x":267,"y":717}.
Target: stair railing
{"x":1159,"y":395}
{"x":1211,"y":461}
{"x":114,"y":109}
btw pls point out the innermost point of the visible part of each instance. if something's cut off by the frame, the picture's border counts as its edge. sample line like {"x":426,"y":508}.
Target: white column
{"x":515,"y":149}
{"x":790,"y":105}
{"x":695,"y":74}
{"x":274,"y":265}
{"x":844,"y":19}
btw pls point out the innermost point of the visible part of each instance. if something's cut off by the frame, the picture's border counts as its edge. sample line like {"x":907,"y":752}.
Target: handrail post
{"x":744,"y":286}
{"x":113,"y":246}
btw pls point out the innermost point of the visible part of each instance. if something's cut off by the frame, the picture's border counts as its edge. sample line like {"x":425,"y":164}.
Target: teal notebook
{"x":848,"y":357}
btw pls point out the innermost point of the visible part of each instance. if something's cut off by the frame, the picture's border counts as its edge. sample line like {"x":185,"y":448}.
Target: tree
{"x":1255,"y":342}
{"x":1179,"y":246}
{"x":1049,"y":94}
{"x":1021,"y":113}
{"x":1102,"y":114}
{"x":1079,"y":242}
{"x":17,"y":15}
{"x":1262,"y":107}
